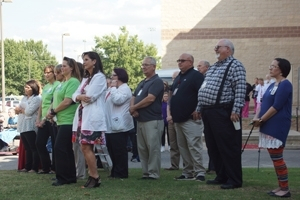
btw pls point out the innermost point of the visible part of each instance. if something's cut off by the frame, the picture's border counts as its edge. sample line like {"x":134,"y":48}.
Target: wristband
{"x":52,"y":112}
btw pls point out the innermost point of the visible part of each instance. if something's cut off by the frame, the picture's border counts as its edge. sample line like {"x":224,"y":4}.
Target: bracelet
{"x":52,"y":112}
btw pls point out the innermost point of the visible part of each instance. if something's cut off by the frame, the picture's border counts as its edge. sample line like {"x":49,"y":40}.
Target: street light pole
{"x":62,"y":44}
{"x":2,"y":56}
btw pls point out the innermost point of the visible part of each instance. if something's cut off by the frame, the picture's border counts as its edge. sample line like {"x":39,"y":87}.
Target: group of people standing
{"x":212,"y":104}
{"x":76,"y":106}
{"x":85,"y":111}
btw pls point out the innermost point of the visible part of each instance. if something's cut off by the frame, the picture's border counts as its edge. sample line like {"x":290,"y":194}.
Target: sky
{"x":48,"y":20}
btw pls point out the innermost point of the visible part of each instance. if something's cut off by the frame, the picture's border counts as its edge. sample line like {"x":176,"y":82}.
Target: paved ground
{"x":249,"y":159}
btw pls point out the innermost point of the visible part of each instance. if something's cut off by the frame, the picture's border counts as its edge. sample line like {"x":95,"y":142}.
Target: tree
{"x":24,"y":60}
{"x":125,"y":51}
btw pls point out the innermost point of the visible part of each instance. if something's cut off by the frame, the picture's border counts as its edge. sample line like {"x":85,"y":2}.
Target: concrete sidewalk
{"x":249,"y":159}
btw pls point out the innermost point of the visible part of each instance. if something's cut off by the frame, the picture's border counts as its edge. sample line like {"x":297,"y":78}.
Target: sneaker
{"x":200,"y":178}
{"x":182,"y":177}
{"x":162,"y":149}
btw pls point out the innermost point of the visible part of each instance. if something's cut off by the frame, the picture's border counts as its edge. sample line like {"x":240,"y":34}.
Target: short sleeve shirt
{"x":47,"y":96}
{"x":65,"y":90}
{"x":154,"y":86}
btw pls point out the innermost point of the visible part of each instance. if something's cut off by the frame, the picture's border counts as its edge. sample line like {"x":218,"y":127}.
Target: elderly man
{"x":221,"y":98}
{"x":203,"y":66}
{"x":146,"y":108}
{"x":174,"y":150}
{"x":186,"y":120}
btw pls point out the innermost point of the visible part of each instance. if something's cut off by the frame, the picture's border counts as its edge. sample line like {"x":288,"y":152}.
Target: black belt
{"x":222,"y":105}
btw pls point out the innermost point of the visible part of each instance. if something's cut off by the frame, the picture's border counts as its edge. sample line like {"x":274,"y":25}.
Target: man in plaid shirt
{"x":220,"y":106}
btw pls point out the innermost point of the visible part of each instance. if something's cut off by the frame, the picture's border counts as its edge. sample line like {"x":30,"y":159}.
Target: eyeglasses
{"x":273,"y":67}
{"x":46,"y":73}
{"x":146,"y":65}
{"x":217,"y":47}
{"x":181,"y":60}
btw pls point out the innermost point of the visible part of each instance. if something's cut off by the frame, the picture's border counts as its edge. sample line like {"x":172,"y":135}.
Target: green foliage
{"x":24,"y":60}
{"x":125,"y":51}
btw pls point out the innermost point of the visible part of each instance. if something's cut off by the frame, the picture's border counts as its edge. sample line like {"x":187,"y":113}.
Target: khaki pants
{"x":149,"y":142}
{"x":190,"y":146}
{"x":174,"y":150}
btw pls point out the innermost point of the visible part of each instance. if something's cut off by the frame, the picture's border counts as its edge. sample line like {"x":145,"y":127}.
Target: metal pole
{"x":2,"y":61}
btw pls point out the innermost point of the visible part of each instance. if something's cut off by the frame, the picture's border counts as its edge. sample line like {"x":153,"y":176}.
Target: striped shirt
{"x":234,"y":89}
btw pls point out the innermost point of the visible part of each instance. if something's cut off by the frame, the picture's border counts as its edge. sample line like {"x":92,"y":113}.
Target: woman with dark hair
{"x":119,"y":122}
{"x":63,"y":110}
{"x":28,"y":111}
{"x":89,"y":121}
{"x":45,"y":127}
{"x":274,"y":120}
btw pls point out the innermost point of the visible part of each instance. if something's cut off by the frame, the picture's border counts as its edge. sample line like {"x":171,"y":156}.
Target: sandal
{"x":92,"y":183}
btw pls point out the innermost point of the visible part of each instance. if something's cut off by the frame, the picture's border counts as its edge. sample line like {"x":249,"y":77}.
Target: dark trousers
{"x":2,"y":144}
{"x":32,"y":156}
{"x":223,"y":144}
{"x":41,"y":140}
{"x":132,"y":136}
{"x":163,"y":137}
{"x":64,"y":156}
{"x":116,"y":145}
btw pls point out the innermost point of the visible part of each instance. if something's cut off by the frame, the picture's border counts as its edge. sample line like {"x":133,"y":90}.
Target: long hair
{"x":73,"y":64}
{"x":98,"y":65}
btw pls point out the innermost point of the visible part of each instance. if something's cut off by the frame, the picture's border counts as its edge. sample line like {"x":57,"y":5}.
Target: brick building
{"x":261,"y":30}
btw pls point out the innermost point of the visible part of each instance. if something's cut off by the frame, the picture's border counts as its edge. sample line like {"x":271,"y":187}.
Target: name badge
{"x":203,"y":85}
{"x":273,"y":91}
{"x":175,"y":91}
{"x":140,"y":92}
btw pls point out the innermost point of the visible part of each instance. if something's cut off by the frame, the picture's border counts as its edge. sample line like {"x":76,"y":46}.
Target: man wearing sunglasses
{"x":221,"y":98}
{"x":186,"y":120}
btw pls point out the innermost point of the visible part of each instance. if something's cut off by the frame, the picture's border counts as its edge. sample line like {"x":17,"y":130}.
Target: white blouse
{"x":117,"y":101}
{"x":26,"y":120}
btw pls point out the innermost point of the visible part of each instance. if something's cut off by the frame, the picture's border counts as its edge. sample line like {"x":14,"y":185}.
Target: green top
{"x":47,"y":95}
{"x":65,"y":90}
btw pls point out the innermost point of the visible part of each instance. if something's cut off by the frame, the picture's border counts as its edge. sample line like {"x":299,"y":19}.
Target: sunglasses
{"x":181,"y":60}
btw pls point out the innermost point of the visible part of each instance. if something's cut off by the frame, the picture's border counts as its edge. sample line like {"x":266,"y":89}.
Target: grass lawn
{"x":14,"y":185}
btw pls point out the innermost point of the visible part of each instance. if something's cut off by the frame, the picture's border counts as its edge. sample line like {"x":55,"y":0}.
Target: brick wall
{"x":260,"y":30}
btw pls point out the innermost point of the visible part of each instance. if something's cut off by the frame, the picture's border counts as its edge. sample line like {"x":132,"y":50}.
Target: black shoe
{"x":214,"y":182}
{"x":171,"y":168}
{"x":229,"y":186}
{"x":58,"y":183}
{"x":92,"y":183}
{"x":282,"y":196}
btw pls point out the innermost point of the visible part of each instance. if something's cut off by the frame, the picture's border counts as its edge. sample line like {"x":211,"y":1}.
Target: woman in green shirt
{"x":45,"y":127}
{"x":64,"y":110}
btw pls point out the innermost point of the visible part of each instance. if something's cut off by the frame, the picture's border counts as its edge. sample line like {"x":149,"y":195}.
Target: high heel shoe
{"x":92,"y":183}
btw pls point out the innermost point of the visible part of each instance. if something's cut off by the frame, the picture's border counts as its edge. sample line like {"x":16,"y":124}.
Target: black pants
{"x":32,"y":156}
{"x":41,"y":140}
{"x":132,"y":136}
{"x":64,"y":156}
{"x":2,"y":144}
{"x":223,"y":144}
{"x":116,"y":144}
{"x":163,"y":138}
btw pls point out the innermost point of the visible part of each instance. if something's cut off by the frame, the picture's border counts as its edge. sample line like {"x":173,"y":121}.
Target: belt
{"x":222,"y":105}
